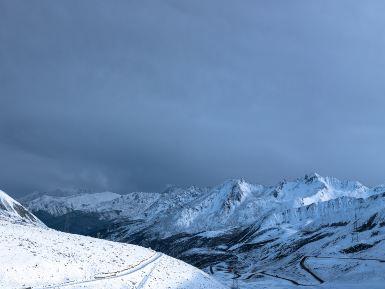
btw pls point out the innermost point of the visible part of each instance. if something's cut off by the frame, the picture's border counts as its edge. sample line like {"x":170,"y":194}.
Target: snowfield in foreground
{"x":36,"y":257}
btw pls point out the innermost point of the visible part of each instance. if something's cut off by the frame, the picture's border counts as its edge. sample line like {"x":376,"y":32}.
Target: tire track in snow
{"x":147,"y":276}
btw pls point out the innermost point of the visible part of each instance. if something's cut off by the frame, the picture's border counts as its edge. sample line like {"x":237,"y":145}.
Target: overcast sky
{"x":135,"y":95}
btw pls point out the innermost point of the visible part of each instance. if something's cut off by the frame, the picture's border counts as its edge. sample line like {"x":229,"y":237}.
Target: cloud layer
{"x":134,"y":95}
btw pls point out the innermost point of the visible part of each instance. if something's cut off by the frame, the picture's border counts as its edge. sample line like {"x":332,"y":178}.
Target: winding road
{"x":316,"y":277}
{"x":303,"y":265}
{"x":310,"y":271}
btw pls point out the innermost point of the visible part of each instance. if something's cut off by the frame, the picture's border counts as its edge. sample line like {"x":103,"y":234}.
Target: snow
{"x":265,"y":228}
{"x":13,"y":211}
{"x":233,"y":203}
{"x":58,"y":205}
{"x":315,"y":189}
{"x":38,"y":257}
{"x":34,"y":256}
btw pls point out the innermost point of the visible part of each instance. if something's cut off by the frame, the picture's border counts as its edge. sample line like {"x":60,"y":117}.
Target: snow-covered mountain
{"x":13,"y":211}
{"x":234,"y":203}
{"x":259,"y":232}
{"x":34,"y":256}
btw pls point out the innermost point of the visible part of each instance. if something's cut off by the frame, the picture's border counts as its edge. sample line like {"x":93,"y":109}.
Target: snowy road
{"x":111,"y":275}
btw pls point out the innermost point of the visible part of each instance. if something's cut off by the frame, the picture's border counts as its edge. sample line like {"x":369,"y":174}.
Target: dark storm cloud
{"x":133,"y":95}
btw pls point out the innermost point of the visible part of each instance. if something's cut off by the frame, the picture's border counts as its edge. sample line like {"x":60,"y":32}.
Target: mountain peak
{"x":309,"y":178}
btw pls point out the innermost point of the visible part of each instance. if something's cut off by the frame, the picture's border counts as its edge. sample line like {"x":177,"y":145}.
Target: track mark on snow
{"x":147,"y":276}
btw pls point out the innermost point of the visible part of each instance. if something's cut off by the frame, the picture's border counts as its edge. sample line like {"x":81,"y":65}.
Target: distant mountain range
{"x":284,"y":234}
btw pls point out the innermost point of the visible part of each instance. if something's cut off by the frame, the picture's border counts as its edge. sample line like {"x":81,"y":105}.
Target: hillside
{"x":34,"y":256}
{"x":12,"y":211}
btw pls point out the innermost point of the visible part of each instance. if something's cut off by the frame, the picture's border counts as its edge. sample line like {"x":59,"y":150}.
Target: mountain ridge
{"x":238,"y":224}
{"x":235,"y":201}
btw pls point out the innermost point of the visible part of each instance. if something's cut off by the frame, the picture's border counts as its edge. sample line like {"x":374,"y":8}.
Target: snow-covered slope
{"x":262,"y":231}
{"x":37,"y":257}
{"x":13,"y":211}
{"x":43,"y":258}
